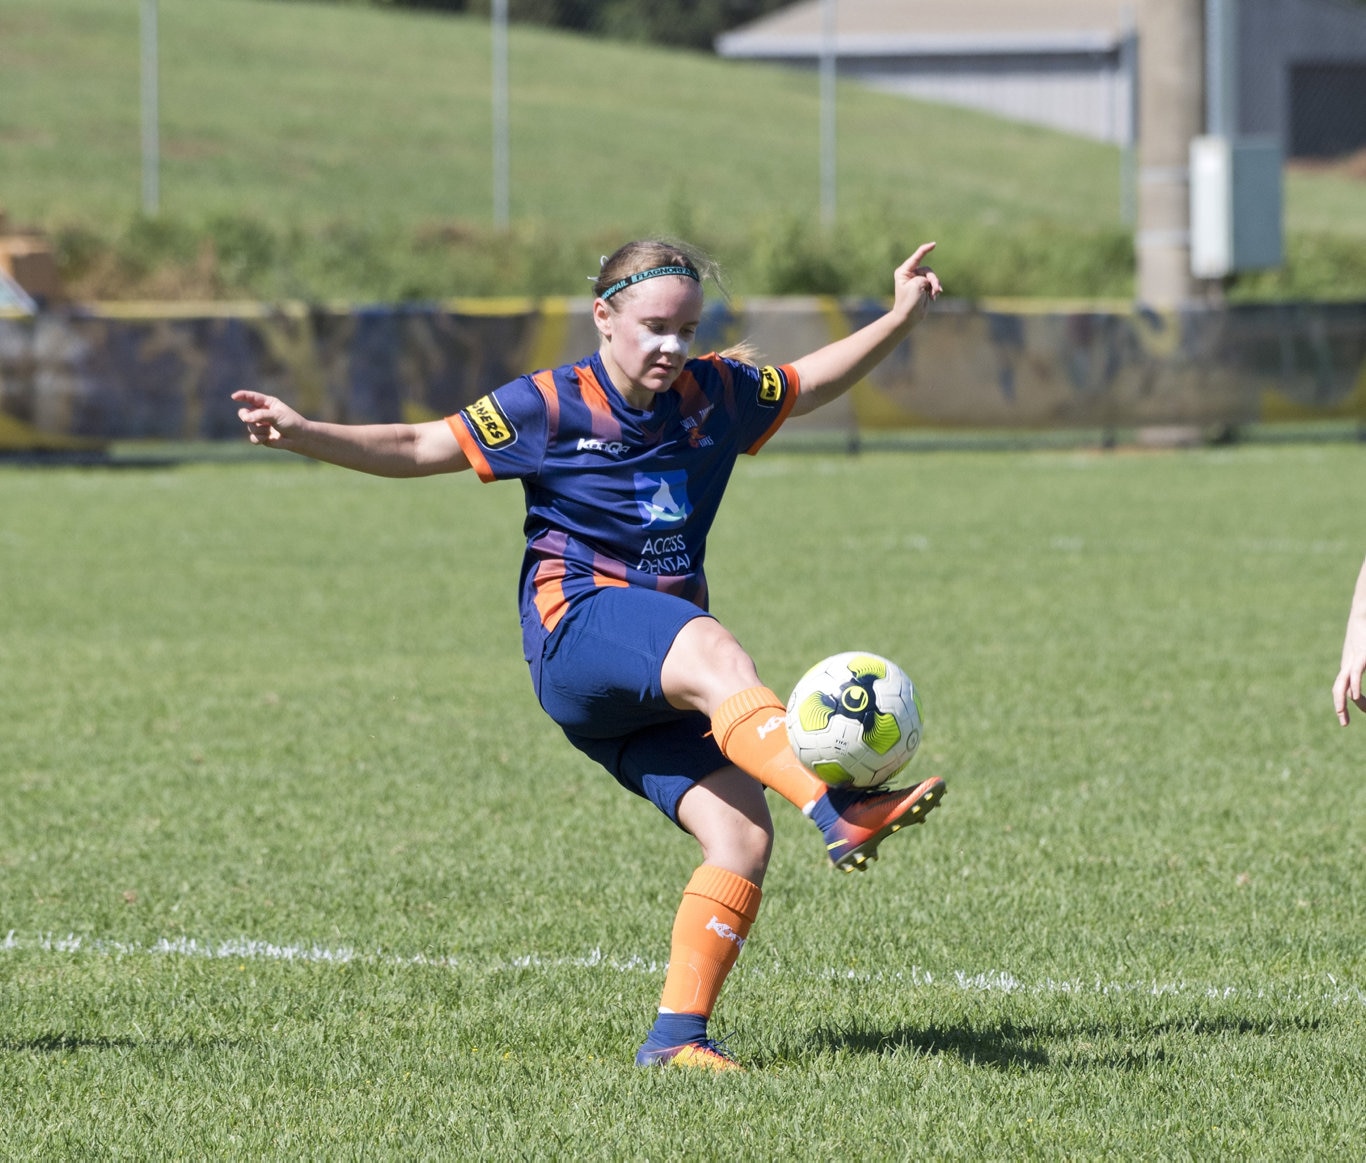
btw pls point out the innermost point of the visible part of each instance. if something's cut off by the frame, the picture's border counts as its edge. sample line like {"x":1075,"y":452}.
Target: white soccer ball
{"x":854,"y":719}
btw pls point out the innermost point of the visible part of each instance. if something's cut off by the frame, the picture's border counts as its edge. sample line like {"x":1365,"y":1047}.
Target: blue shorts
{"x":599,"y":679}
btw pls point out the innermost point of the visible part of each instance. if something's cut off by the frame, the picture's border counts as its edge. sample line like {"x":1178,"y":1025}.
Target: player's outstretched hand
{"x":915,"y":286}
{"x":1347,"y":688}
{"x":269,"y":421}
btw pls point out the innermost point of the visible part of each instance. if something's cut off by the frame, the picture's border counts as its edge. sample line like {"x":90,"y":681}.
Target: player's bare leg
{"x":728,"y":815}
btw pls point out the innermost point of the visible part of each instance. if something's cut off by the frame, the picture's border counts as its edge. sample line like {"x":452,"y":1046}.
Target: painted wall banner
{"x":79,"y":378}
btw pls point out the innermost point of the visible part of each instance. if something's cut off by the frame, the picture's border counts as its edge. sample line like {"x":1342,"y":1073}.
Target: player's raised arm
{"x":388,"y":450}
{"x":1347,"y":687}
{"x":837,"y":367}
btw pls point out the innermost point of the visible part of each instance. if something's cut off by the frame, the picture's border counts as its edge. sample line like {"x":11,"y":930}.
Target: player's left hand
{"x":915,"y":286}
{"x":269,"y":421}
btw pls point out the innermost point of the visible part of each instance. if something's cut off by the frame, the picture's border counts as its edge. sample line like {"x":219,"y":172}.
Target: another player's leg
{"x":727,"y":814}
{"x":708,"y":669}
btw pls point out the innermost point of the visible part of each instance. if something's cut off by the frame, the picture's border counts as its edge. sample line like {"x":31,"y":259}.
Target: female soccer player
{"x":624,"y":457}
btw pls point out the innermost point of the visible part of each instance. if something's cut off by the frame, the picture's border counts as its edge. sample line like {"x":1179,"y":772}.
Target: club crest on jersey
{"x":663,"y":498}
{"x":770,"y":385}
{"x":692,"y":425}
{"x":490,"y":425}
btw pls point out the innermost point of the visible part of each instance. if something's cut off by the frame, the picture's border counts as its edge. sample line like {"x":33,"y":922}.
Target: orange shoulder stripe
{"x":594,"y":394}
{"x":545,"y":384}
{"x":689,"y":394}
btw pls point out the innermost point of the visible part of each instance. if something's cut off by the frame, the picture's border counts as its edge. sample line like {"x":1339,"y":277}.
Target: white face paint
{"x":652,"y":343}
{"x":647,"y":334}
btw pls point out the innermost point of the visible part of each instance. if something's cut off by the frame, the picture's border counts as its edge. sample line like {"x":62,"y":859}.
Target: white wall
{"x":1090,"y":96}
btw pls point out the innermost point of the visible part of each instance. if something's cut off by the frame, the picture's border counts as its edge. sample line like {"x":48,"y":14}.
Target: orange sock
{"x":712,"y":923}
{"x":751,"y":729}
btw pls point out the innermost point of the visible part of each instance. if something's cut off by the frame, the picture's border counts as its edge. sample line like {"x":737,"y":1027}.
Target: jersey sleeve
{"x":503,"y":434}
{"x":765,"y":397}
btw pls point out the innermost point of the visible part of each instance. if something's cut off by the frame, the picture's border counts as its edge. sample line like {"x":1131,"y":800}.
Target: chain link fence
{"x":1006,"y":132}
{"x":1292,"y":70}
{"x":980,"y":364}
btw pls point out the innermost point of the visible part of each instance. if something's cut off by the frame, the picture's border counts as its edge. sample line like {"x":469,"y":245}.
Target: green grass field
{"x":324,"y":151}
{"x":291,"y":865}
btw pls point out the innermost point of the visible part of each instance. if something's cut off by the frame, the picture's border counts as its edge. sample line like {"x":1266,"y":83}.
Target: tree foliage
{"x":680,"y":23}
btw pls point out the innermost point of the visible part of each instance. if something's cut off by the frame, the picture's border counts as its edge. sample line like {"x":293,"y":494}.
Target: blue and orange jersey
{"x":617,"y":496}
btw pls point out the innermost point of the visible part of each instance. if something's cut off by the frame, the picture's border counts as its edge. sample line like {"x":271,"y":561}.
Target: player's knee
{"x":729,"y":816}
{"x":706,"y":665}
{"x":744,"y":848}
{"x":760,"y":841}
{"x":750,"y":836}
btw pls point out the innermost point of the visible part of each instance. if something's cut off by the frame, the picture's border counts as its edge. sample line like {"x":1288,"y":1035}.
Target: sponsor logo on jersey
{"x":665,"y":556}
{"x":611,"y":447}
{"x":663,"y":498}
{"x":655,"y":546}
{"x":770,"y":386}
{"x":490,"y":425}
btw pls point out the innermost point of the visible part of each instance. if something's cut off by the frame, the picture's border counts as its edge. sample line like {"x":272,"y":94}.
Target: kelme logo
{"x":770,"y":386}
{"x":490,"y":425}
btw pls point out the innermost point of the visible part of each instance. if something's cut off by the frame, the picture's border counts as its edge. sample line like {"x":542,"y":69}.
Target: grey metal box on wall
{"x":1236,"y":205}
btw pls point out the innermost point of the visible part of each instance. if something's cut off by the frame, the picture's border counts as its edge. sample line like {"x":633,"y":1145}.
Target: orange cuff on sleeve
{"x":470,"y":447}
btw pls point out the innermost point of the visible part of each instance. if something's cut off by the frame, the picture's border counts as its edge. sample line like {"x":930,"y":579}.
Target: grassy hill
{"x":325,"y":151}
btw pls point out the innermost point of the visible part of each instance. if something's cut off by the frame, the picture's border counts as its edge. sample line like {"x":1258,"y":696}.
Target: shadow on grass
{"x":66,"y":1043}
{"x":1003,"y":1049}
{"x":1125,"y":1045}
{"x":1233,"y":1024}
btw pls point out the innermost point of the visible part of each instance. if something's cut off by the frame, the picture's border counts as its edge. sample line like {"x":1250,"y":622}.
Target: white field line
{"x":996,"y":981}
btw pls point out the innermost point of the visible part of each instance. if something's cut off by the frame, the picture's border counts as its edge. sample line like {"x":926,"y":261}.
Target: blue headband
{"x":652,"y":273}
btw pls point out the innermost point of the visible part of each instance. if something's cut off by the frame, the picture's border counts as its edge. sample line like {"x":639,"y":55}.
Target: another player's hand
{"x":915,"y":286}
{"x":269,"y":421}
{"x":1347,"y":687}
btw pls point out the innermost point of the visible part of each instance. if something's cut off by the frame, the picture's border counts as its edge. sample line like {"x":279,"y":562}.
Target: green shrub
{"x":1317,"y":266}
{"x":234,"y":256}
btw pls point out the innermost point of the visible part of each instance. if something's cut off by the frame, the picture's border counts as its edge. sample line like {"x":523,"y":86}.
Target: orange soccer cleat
{"x":703,"y":1054}
{"x":865,"y":818}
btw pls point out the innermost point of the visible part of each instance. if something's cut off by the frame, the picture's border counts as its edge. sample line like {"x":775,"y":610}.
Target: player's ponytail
{"x":743,"y":352}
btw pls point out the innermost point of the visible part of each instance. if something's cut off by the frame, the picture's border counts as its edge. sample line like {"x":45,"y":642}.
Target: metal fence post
{"x":1221,"y":68}
{"x":151,"y":147}
{"x":499,"y":19}
{"x":1127,"y":130}
{"x":827,"y":99}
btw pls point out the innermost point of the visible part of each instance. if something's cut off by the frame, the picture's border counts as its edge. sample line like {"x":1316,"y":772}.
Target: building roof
{"x":930,"y":27}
